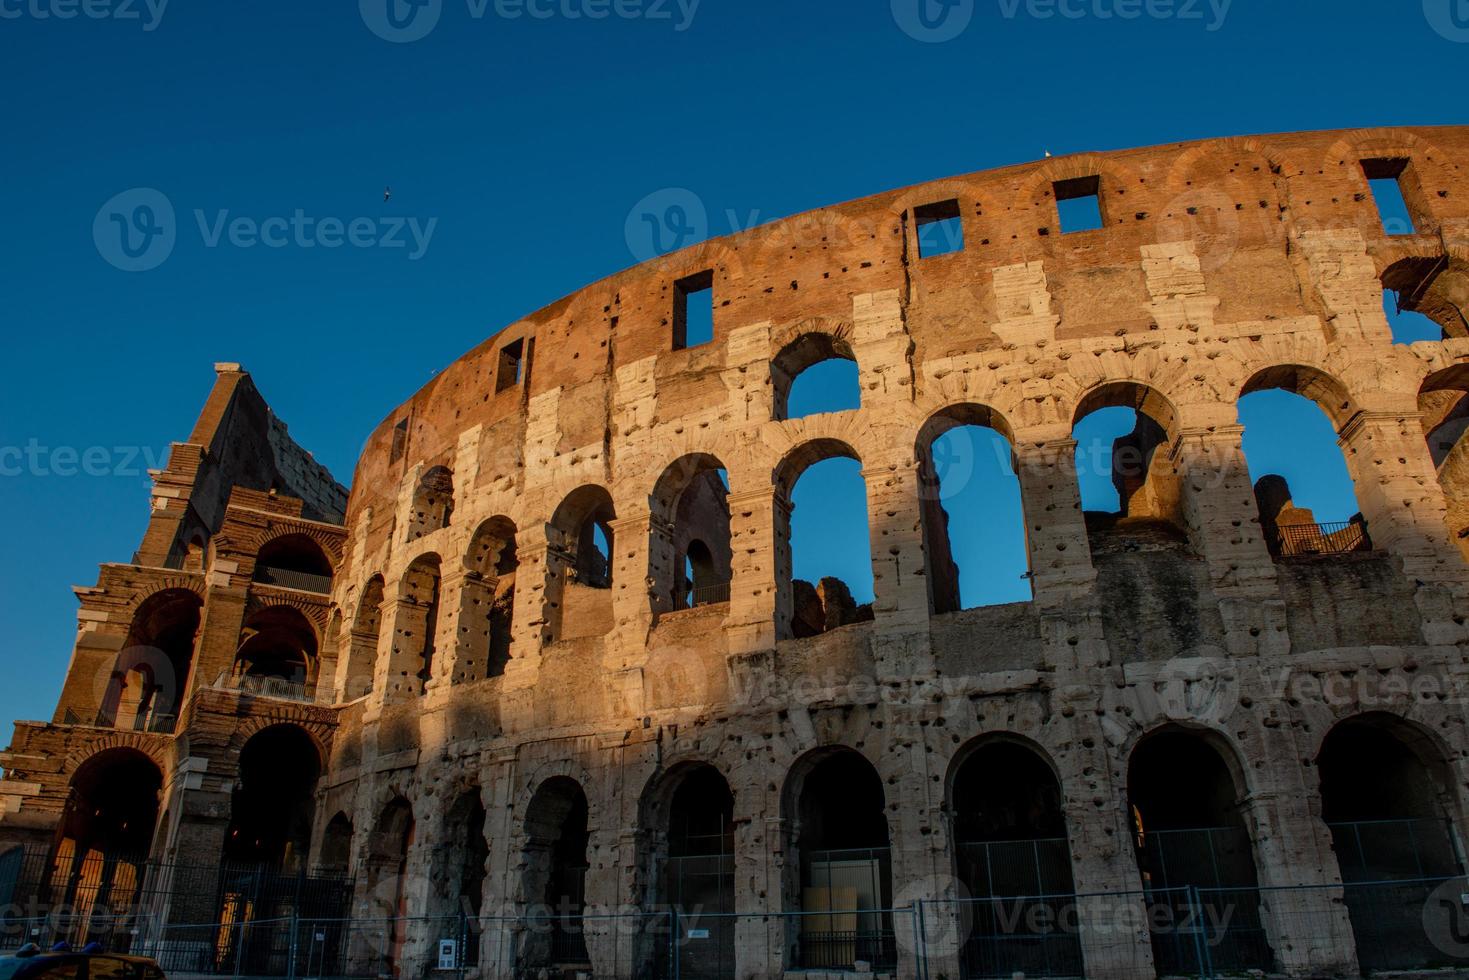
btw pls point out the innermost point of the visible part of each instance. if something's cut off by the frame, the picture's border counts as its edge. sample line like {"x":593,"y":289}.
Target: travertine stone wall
{"x":1223,"y":267}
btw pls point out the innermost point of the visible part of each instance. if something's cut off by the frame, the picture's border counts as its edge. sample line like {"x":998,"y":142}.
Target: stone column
{"x":632,"y":582}
{"x":895,"y":529}
{"x":538,"y":581}
{"x":447,"y":639}
{"x":758,"y":593}
{"x":1060,"y":554}
{"x":1400,"y":496}
{"x":1218,"y":505}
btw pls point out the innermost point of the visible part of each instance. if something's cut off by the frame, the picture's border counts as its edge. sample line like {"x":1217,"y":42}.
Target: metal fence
{"x":1410,"y":925}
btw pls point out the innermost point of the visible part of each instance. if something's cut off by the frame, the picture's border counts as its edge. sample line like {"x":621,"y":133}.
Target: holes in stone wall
{"x":1079,"y":204}
{"x":940,"y":229}
{"x":693,"y":311}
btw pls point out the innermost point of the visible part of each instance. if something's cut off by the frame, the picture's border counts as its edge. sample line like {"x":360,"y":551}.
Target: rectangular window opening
{"x":400,"y":441}
{"x":693,"y":311}
{"x":511,"y":371}
{"x":940,"y":229}
{"x":1386,"y":177}
{"x":1079,"y":204}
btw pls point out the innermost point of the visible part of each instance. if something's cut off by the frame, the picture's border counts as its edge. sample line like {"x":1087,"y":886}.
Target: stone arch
{"x":556,"y":833}
{"x":278,"y":652}
{"x":416,"y":626}
{"x":150,"y":674}
{"x":433,"y":502}
{"x":1187,"y":794}
{"x":801,"y":346}
{"x":487,"y":601}
{"x":689,"y":554}
{"x":106,"y":829}
{"x":361,"y":660}
{"x":1435,"y":285}
{"x":836,"y":837}
{"x":579,"y":574}
{"x":294,"y":560}
{"x":273,"y":802}
{"x":941,"y":571}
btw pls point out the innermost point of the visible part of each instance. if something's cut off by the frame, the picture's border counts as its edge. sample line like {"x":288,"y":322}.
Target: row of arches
{"x":976,"y":537}
{"x":1385,"y":797}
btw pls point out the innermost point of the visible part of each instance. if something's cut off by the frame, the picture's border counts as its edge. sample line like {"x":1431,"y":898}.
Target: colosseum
{"x":541,"y":697}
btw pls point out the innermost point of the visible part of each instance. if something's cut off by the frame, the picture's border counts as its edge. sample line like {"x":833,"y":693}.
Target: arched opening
{"x":487,"y":602}
{"x":1012,"y":857}
{"x":294,"y":561}
{"x":579,"y":584}
{"x":815,"y":373}
{"x":277,"y":654}
{"x":973,"y":520}
{"x":1444,"y":401}
{"x":336,"y":846}
{"x":151,"y":672}
{"x":272,"y":803}
{"x":553,"y":879}
{"x":433,"y":503}
{"x":416,"y":630}
{"x":1427,"y":299}
{"x":690,"y":546}
{"x":1307,"y":500}
{"x":459,"y":871}
{"x":1130,"y":492}
{"x":366,"y":630}
{"x":106,"y":832}
{"x":1386,"y":797}
{"x":386,"y":869}
{"x":1188,"y":819}
{"x":838,"y":864}
{"x":693,"y":865}
{"x":823,"y":545}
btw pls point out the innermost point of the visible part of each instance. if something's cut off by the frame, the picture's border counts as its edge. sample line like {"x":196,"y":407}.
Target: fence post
{"x":462,"y":962}
{"x":920,"y":939}
{"x":294,"y":945}
{"x":239,"y":948}
{"x":673,"y":943}
{"x":1196,"y":920}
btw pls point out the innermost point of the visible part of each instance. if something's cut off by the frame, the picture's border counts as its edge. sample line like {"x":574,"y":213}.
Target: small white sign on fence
{"x":698,"y":933}
{"x":448,"y":954}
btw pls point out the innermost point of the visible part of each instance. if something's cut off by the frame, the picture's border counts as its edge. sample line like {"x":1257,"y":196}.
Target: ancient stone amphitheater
{"x":544,"y":687}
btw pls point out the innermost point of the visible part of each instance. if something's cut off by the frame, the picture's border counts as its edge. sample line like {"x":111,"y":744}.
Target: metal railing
{"x":1344,"y":537}
{"x":288,"y":578}
{"x":281,"y":688}
{"x":709,"y":595}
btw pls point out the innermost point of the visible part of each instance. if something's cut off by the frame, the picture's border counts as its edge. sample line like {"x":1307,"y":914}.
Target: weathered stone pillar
{"x":758,"y":593}
{"x":219,"y":634}
{"x":538,"y":581}
{"x":402,"y":661}
{"x":1399,"y":493}
{"x":1060,"y":555}
{"x":448,"y":646}
{"x":1218,"y":505}
{"x":632,"y":584}
{"x":895,"y":528}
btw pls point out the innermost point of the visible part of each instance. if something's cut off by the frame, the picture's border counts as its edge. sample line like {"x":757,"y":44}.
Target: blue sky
{"x":518,"y":147}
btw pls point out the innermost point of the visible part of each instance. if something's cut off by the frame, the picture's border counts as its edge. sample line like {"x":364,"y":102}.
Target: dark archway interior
{"x":1382,"y":804}
{"x":1005,"y":792}
{"x":555,"y":870}
{"x":1190,"y":832}
{"x":271,"y":809}
{"x":277,"y":642}
{"x":291,"y":553}
{"x":336,"y":845}
{"x":842,"y":805}
{"x":701,"y":815}
{"x":113,"y":805}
